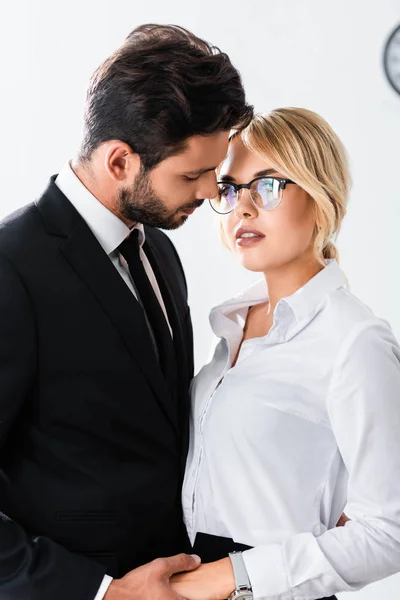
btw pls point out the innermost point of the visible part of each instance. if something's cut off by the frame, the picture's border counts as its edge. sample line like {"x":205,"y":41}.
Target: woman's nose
{"x":245,"y":207}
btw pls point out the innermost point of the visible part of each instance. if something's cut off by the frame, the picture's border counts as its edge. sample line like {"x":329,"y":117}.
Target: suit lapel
{"x":91,"y":263}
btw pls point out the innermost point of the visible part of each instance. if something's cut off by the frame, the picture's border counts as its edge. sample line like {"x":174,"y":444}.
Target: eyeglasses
{"x":265,"y":192}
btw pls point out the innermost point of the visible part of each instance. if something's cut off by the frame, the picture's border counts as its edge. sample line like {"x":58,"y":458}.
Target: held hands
{"x":179,"y":578}
{"x":212,"y":581}
{"x":152,"y":581}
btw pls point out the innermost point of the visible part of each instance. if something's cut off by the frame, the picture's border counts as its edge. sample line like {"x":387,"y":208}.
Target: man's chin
{"x":174,"y":223}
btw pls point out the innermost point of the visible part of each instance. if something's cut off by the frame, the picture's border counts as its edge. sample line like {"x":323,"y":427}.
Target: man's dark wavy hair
{"x":162,"y":86}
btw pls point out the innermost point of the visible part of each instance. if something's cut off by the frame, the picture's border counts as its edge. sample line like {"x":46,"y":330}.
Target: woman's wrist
{"x":224,"y":578}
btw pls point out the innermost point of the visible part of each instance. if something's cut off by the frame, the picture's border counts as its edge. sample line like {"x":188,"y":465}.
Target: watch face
{"x":243,"y":596}
{"x":391,"y":59}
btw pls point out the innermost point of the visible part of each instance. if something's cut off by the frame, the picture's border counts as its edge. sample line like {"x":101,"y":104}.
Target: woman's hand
{"x":212,"y":581}
{"x":343,"y":520}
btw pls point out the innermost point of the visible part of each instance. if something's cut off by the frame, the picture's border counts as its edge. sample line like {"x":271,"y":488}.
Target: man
{"x":95,"y":331}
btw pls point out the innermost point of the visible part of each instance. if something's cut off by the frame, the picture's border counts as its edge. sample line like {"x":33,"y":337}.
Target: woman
{"x":298,"y":412}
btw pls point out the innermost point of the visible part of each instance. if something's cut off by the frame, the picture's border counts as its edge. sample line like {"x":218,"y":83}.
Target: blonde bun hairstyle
{"x":302,"y":146}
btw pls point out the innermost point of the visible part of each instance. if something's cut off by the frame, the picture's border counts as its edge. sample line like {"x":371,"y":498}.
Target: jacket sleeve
{"x":33,"y":568}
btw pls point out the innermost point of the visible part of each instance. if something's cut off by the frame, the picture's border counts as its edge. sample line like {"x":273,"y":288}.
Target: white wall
{"x":325,"y":56}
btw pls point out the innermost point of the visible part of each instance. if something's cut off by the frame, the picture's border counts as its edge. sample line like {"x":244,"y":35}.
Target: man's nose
{"x":208,"y":188}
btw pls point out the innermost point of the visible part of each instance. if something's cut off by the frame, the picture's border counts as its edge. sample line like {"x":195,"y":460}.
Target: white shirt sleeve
{"x":105,"y":584}
{"x":364,"y":410}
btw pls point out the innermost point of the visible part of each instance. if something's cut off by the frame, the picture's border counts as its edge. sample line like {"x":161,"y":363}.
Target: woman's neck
{"x":286,"y":280}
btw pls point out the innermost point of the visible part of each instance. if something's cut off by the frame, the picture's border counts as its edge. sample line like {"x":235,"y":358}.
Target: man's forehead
{"x":202,"y":153}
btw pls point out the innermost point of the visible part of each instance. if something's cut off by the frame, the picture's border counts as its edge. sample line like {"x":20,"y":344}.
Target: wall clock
{"x":391,"y":59}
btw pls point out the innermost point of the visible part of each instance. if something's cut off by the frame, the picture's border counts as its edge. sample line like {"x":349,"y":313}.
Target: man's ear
{"x":120,"y":162}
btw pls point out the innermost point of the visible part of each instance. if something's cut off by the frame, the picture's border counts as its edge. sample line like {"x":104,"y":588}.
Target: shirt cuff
{"x":105,"y":584}
{"x":267,"y":573}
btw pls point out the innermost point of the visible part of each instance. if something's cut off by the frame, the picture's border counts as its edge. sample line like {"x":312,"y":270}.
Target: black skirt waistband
{"x":213,"y":547}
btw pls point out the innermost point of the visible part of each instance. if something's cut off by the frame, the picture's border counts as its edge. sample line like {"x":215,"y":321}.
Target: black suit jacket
{"x":92,"y":445}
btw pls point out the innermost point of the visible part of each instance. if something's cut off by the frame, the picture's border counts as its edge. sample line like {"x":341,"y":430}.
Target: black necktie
{"x":130,"y":250}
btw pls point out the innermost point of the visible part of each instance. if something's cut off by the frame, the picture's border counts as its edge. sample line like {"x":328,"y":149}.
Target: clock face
{"x":391,"y":59}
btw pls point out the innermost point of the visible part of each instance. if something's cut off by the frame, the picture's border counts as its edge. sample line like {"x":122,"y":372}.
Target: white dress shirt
{"x":110,"y":232}
{"x":306,"y":421}
{"x":108,"y":229}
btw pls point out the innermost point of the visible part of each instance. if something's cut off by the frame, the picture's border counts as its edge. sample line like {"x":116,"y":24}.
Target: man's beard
{"x":141,"y":204}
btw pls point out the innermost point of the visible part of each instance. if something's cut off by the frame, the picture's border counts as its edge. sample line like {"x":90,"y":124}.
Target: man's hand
{"x":151,"y":581}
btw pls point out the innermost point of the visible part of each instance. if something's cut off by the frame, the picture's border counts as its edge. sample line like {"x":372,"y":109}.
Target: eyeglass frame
{"x":283,"y":182}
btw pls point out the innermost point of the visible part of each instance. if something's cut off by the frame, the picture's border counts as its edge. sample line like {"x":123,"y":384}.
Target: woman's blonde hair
{"x":302,"y":146}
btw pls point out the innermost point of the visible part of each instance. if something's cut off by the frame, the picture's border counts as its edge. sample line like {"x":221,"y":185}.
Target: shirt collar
{"x":303,"y":304}
{"x":108,"y":229}
{"x":307,"y":299}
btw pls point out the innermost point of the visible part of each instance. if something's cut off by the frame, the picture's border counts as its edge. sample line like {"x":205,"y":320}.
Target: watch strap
{"x":239,"y":568}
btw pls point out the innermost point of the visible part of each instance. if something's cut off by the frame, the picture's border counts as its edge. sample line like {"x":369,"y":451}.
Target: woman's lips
{"x":249,"y":241}
{"x":246,"y":236}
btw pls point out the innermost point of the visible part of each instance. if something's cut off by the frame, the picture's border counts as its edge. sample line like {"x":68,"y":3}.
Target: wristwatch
{"x":243,"y":589}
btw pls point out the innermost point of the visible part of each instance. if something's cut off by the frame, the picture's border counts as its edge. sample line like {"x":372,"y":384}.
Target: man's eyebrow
{"x":265,"y":173}
{"x":200,"y":171}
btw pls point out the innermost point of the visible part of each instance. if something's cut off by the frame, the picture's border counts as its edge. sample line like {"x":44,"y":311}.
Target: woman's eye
{"x":190,"y":178}
{"x":224,"y":190}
